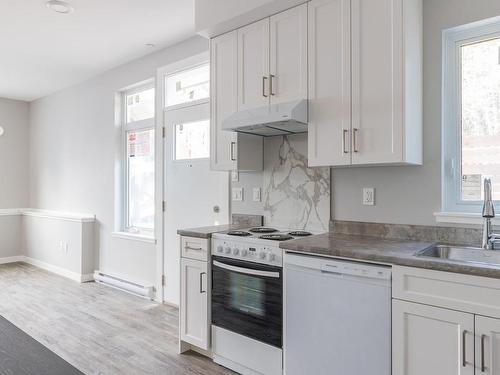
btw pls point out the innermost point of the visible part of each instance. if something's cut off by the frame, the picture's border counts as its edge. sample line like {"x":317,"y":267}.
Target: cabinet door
{"x":329,"y":82}
{"x":223,"y":94}
{"x":429,"y":340}
{"x":487,"y":345}
{"x":288,"y":46}
{"x":377,"y":81}
{"x":194,"y":314}
{"x":253,"y":65}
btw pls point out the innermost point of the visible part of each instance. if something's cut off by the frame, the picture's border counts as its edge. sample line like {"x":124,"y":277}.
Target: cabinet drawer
{"x":474,"y":294}
{"x":195,"y":248}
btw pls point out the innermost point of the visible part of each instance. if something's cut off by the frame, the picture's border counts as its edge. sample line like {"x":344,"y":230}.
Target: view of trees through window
{"x":480,"y":117}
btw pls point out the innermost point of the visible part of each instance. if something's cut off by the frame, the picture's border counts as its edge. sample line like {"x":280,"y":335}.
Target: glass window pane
{"x":480,"y":80}
{"x":192,"y":140}
{"x":141,"y":105}
{"x":187,"y":86}
{"x":140,"y":178}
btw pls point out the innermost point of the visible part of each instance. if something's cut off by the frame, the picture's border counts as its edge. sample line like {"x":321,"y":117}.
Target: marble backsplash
{"x":294,"y":196}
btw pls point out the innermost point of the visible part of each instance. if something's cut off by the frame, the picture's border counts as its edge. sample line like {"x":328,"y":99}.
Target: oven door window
{"x":247,"y":299}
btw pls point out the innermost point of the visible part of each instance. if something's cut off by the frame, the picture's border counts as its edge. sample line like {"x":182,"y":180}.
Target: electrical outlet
{"x":237,"y":194}
{"x":235,"y":176}
{"x":369,"y":196}
{"x":256,"y":194}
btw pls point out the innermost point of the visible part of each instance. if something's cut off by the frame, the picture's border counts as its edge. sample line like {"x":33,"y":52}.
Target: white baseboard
{"x":80,"y":278}
{"x":13,"y":259}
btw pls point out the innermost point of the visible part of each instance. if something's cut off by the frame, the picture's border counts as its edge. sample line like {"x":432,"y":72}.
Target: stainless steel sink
{"x":461,"y":254}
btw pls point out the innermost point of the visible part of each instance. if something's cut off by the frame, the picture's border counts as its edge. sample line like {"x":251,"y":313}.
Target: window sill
{"x":133,"y":237}
{"x":462,"y":218}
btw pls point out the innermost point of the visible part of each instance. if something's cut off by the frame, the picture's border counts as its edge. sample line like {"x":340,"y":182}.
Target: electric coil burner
{"x":299,"y":233}
{"x":276,"y":237}
{"x":263,"y":230}
{"x":239,"y":233}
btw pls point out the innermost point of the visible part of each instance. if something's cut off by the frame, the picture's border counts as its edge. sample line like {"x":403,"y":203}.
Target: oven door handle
{"x":247,"y":271}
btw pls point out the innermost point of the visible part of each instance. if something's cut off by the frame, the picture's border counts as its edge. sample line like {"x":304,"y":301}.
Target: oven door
{"x":247,"y":298}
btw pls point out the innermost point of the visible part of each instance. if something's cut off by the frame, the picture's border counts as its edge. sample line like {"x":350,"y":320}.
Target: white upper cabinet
{"x":386,"y":81}
{"x":329,"y":45}
{"x":365,"y":82}
{"x":223,"y":99}
{"x":288,"y":55}
{"x":228,"y":150}
{"x":253,"y":65}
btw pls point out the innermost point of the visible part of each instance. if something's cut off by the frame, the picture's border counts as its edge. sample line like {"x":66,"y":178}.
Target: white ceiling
{"x":42,"y":51}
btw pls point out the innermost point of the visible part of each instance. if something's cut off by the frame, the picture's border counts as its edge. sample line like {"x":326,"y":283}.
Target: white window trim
{"x":127,"y":232}
{"x":185,"y":106}
{"x":454,"y":210}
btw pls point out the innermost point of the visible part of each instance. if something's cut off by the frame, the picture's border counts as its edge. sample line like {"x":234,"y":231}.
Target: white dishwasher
{"x":337,"y":317}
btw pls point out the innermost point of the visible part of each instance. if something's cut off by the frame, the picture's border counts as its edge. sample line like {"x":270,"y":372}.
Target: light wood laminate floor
{"x":97,"y":329}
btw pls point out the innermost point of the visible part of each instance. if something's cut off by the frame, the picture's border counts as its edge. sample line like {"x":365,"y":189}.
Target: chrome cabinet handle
{"x":354,"y":139}
{"x":232,"y":151}
{"x":483,"y":366}
{"x":193,"y":248}
{"x":271,"y":78}
{"x":464,"y":360}
{"x":344,"y":133}
{"x":201,"y":282}
{"x":264,"y":87}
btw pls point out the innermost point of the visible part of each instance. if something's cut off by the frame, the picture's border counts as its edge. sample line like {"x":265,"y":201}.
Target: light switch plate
{"x":256,"y":194}
{"x":237,"y":194}
{"x":368,"y":196}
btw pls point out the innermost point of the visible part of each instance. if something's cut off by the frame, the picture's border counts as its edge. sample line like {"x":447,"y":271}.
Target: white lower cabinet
{"x":430,"y":341}
{"x":194,"y":303}
{"x":439,"y":324}
{"x":487,"y":346}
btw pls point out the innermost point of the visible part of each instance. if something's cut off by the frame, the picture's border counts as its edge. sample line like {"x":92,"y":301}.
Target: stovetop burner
{"x":239,"y":233}
{"x":263,"y":230}
{"x":276,"y":237}
{"x":299,"y":233}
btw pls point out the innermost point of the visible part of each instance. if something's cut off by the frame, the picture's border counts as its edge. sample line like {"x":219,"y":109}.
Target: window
{"x":186,"y":98}
{"x":471,"y":114}
{"x":139,"y":165}
{"x":192,"y":140}
{"x":187,"y":86}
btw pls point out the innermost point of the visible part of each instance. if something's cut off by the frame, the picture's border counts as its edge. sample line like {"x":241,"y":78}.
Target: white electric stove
{"x":247,"y":299}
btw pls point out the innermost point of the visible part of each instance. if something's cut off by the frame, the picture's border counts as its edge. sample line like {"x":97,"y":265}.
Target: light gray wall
{"x":72,"y":146}
{"x":405,"y":195}
{"x":14,"y":154}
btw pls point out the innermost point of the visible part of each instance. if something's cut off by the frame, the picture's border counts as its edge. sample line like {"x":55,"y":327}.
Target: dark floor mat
{"x":20,"y":354}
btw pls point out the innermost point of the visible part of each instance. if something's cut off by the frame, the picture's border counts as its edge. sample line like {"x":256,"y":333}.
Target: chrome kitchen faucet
{"x":489,"y":238}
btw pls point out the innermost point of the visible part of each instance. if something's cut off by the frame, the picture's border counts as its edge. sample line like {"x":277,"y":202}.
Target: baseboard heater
{"x":115,"y":282}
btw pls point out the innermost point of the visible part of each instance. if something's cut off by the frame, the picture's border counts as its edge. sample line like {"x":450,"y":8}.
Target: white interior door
{"x":194,"y":195}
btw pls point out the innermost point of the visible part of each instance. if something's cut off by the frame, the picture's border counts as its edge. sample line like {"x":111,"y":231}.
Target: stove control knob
{"x":228,"y":250}
{"x":236,"y":251}
{"x":272,"y":257}
{"x":220,"y":249}
{"x":244,"y":253}
{"x":263,"y":256}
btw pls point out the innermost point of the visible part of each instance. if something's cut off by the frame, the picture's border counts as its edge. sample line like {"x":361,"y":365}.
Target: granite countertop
{"x":206,"y":232}
{"x":384,"y":251}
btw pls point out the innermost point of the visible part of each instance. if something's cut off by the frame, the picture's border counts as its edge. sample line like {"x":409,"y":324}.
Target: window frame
{"x":453,"y":40}
{"x":146,"y":124}
{"x":185,"y":104}
{"x":186,"y":107}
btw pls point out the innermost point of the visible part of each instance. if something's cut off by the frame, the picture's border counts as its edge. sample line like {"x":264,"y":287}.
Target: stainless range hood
{"x":277,"y":119}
